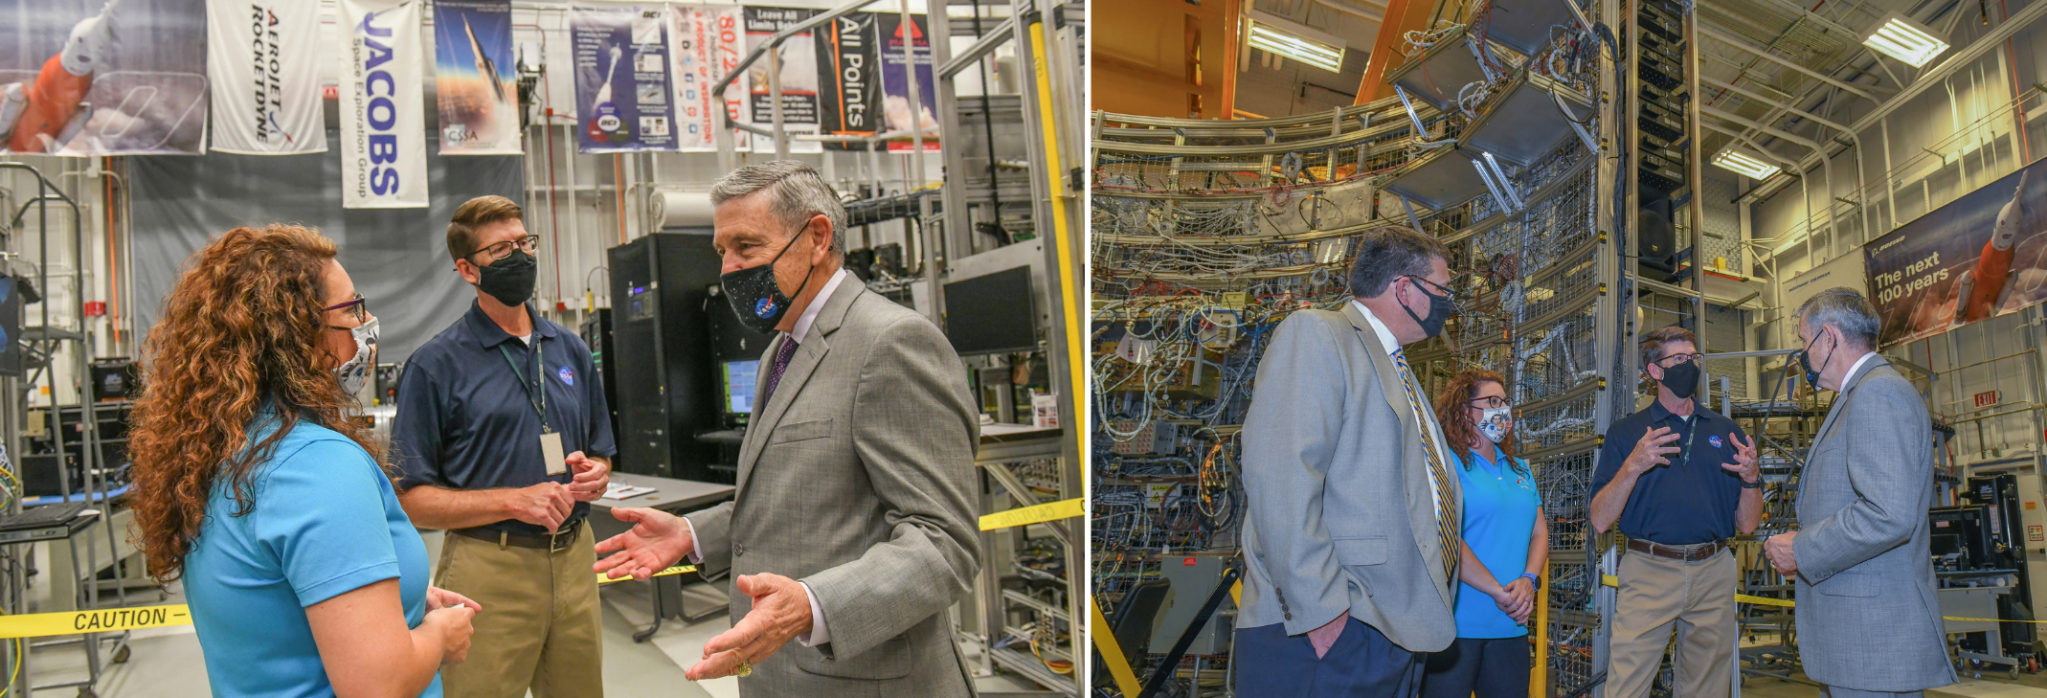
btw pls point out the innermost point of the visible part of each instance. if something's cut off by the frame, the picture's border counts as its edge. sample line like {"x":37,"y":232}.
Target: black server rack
{"x":1999,"y":495}
{"x":596,"y":333}
{"x":668,"y":385}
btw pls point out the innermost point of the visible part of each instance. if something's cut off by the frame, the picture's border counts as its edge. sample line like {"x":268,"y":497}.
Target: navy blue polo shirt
{"x":1692,"y":500}
{"x":464,"y":419}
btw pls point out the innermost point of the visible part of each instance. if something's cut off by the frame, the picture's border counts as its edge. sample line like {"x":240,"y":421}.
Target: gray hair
{"x":1846,"y":310}
{"x":795,"y":194}
{"x":1386,"y":254}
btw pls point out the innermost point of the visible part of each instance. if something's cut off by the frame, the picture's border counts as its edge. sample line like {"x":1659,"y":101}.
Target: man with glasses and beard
{"x":1680,"y":480}
{"x":503,"y":440}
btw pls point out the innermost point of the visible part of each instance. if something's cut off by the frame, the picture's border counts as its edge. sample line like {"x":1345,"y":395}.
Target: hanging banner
{"x":79,"y":78}
{"x":896,"y":76}
{"x":799,"y":76}
{"x":707,"y":44}
{"x":623,"y":95}
{"x":1980,"y":256}
{"x":478,"y":92}
{"x":847,"y":58}
{"x":263,"y":56}
{"x":383,"y":123}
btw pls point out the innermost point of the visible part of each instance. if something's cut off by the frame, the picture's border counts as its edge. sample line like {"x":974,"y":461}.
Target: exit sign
{"x":1986,"y":398}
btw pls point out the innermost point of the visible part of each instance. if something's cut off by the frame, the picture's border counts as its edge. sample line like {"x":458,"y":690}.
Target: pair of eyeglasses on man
{"x":355,"y":307}
{"x":504,"y":249}
{"x":1489,"y":402}
{"x":1440,"y":290}
{"x":1675,"y":359}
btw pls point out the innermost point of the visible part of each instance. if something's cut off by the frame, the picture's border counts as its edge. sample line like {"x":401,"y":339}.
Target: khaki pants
{"x":1658,"y":594}
{"x":540,"y":627}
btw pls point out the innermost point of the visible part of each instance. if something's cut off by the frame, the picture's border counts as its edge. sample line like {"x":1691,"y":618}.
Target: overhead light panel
{"x":1292,"y":40}
{"x":1905,"y":40}
{"x":1742,"y":163}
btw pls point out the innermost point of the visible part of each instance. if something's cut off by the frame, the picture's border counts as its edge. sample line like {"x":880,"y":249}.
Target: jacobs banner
{"x":1980,"y":256}
{"x":103,"y":77}
{"x":263,"y":59}
{"x":474,"y":80}
{"x":706,"y":42}
{"x":799,"y":76}
{"x":383,"y":133}
{"x":624,"y":99}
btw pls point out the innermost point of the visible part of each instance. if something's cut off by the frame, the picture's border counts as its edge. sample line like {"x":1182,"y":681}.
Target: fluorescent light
{"x":1267,"y":35}
{"x":1739,"y":162}
{"x":1905,"y":40}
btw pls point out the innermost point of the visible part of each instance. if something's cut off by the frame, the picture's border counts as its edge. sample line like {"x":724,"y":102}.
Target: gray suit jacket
{"x":1867,"y":615}
{"x":1340,"y":514}
{"x":857,"y":478}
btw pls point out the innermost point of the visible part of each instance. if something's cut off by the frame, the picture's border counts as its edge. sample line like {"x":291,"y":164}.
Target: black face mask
{"x":1812,"y":375}
{"x":1682,"y":379}
{"x":1440,"y":310}
{"x":510,"y":280}
{"x":755,"y":297}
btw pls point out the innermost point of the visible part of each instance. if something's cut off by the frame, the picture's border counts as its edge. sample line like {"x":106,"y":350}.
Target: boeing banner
{"x":1978,"y":257}
{"x":383,"y":123}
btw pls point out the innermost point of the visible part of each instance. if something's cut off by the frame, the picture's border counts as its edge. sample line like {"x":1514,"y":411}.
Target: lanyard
{"x":1695,"y":423}
{"x":540,"y":404}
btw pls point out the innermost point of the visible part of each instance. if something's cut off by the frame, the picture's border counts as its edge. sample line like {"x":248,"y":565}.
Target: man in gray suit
{"x":853,"y":528}
{"x":1351,"y":504}
{"x":1868,"y":622}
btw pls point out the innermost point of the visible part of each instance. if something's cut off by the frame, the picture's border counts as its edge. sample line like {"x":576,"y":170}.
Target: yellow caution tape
{"x":104,"y":620}
{"x":1613,"y":581}
{"x":1063,"y":509}
{"x":1112,"y":653}
{"x":678,"y":569}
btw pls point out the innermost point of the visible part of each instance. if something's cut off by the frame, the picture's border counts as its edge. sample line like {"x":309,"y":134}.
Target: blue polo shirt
{"x":1692,"y":500}
{"x":1500,"y":502}
{"x":465,"y":420}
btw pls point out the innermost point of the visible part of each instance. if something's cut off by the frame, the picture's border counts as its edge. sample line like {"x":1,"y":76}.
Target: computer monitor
{"x":992,"y":314}
{"x":739,"y":386}
{"x":1944,"y":544}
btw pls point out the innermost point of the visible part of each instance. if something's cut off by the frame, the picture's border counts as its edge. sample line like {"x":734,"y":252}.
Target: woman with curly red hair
{"x":303,"y":574}
{"x":1506,"y":544}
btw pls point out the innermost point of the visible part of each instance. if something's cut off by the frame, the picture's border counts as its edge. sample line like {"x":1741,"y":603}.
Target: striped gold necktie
{"x":1446,"y":510}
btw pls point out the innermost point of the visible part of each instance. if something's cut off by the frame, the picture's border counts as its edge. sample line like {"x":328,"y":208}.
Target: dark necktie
{"x":782,"y":356}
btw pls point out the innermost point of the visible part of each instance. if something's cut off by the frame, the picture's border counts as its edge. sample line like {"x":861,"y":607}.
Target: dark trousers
{"x":1482,"y":668}
{"x":1361,"y":663}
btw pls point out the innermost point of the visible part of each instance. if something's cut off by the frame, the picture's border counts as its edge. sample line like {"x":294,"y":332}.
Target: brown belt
{"x":555,"y":543}
{"x":1687,"y":553}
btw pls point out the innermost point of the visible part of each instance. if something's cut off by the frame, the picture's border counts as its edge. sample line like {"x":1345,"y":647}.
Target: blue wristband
{"x":1531,"y":577}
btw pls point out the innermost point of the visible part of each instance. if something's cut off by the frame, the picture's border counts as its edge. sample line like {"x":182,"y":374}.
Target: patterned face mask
{"x":1495,"y":422}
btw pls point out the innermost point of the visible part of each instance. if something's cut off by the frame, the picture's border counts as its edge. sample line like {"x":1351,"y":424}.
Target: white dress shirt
{"x":818,"y":634}
{"x":1426,"y":420}
{"x":1852,"y":369}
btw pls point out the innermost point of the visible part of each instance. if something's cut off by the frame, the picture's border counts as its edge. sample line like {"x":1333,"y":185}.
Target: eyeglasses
{"x":1440,"y":290}
{"x":504,"y":249}
{"x":1675,"y":359}
{"x":1489,"y":402}
{"x":356,"y":308}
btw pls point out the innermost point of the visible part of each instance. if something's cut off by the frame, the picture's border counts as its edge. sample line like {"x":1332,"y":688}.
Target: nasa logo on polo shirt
{"x":1715,"y":439}
{"x":569,"y":377}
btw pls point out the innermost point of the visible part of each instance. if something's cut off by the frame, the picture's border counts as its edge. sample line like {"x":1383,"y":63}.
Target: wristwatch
{"x":1533,"y":579}
{"x":1758,"y":484}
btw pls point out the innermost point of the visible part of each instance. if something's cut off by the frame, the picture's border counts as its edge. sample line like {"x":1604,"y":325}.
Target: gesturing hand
{"x":546,"y":505}
{"x":592,"y":476}
{"x":1650,"y":451}
{"x":781,"y":611}
{"x":1744,"y":460}
{"x":658,"y":539}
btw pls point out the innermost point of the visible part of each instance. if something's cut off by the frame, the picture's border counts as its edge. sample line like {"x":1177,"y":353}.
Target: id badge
{"x":551,"y":449}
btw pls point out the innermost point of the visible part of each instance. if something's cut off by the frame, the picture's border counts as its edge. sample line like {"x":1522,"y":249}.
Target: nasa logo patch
{"x":765,"y":309}
{"x":568,"y":377}
{"x":1715,"y":440}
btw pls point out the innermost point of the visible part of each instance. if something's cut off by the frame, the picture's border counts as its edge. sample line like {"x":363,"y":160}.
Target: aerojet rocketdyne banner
{"x":624,"y":101}
{"x":383,"y":122}
{"x":707,"y":42}
{"x":103,"y":77}
{"x":476,"y":87}
{"x":1980,"y":256}
{"x":263,"y":58}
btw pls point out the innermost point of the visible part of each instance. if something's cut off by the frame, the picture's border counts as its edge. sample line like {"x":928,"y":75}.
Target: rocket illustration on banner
{"x":1985,"y":285}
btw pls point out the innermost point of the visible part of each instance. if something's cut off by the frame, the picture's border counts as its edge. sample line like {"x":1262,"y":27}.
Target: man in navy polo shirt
{"x":1680,"y":480}
{"x":503,"y":439}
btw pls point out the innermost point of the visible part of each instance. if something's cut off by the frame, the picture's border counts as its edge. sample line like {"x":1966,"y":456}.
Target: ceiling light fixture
{"x":1291,"y":40}
{"x":1905,"y":40}
{"x":1744,"y":164}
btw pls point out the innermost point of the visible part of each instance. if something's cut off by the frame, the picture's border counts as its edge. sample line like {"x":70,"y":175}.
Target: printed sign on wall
{"x":80,"y":78}
{"x":707,"y":42}
{"x":1980,"y":256}
{"x":848,"y":59}
{"x":799,"y":78}
{"x":623,"y":95}
{"x":383,"y":133}
{"x":262,"y":56}
{"x":474,"y":78}
{"x":896,"y":76}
